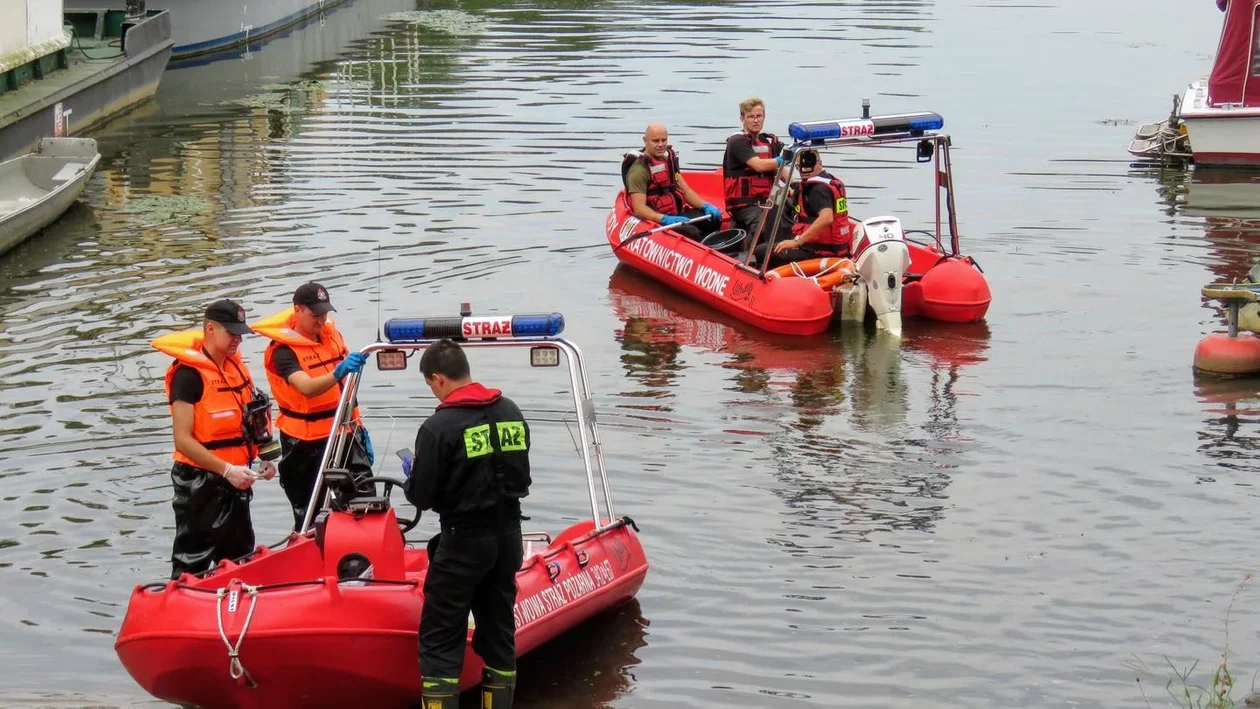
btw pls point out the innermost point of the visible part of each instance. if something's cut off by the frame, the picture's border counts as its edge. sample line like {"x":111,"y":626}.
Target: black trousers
{"x":212,"y":520}
{"x":699,"y":230}
{"x":747,"y":217}
{"x":471,"y":568}
{"x":300,"y":465}
{"x":801,"y":253}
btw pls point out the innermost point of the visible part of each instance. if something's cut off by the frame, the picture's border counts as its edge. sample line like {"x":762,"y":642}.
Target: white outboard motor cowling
{"x":882,"y":259}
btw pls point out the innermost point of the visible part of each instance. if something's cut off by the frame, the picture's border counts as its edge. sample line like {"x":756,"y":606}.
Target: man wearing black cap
{"x":305,"y":363}
{"x":822,"y":225}
{"x":208,"y":388}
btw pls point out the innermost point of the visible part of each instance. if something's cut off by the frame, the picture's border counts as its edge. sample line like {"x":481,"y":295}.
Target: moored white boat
{"x":1216,"y":121}
{"x":36,"y":189}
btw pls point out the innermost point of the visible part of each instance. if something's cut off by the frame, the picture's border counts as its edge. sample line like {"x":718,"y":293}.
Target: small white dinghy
{"x":36,"y":189}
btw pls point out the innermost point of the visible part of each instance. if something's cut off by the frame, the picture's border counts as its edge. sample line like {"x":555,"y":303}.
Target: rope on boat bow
{"x":235,"y":669}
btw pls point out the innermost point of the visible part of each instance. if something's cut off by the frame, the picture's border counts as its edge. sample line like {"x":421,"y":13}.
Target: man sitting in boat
{"x":822,"y":225}
{"x":471,"y":466}
{"x":657,"y":191}
{"x":748,"y":169}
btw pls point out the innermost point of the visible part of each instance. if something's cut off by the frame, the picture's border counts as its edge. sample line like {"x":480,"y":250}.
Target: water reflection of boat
{"x":661,"y":315}
{"x":819,"y":373}
{"x":1228,"y":201}
{"x":590,"y":665}
{"x":179,"y":165}
{"x":205,"y":26}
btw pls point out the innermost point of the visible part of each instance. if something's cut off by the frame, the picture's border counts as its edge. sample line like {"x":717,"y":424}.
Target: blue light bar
{"x":819,"y":131}
{"x":473,"y":328}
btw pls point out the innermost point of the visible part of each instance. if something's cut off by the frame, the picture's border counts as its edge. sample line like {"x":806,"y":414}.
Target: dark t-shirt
{"x":817,"y":198}
{"x":739,"y":151}
{"x":186,"y":385}
{"x":286,"y":362}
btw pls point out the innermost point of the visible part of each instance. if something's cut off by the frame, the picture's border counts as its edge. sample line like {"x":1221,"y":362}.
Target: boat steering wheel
{"x":406,"y":525}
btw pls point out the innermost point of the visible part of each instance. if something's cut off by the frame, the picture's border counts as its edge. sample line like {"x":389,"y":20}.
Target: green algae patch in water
{"x":453,"y":22}
{"x":160,"y":209}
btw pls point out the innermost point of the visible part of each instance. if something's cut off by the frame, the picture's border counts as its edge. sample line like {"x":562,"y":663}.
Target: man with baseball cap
{"x":208,"y":388}
{"x":305,"y":362}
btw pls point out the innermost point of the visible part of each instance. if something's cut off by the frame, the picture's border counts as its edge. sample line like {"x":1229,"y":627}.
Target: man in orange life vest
{"x":822,"y":225}
{"x":305,"y":363}
{"x":657,"y":191}
{"x":221,"y":422}
{"x":748,"y":169}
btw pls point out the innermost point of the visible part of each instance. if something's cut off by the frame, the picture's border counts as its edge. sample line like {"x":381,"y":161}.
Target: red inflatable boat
{"x":891,"y":275}
{"x":331,"y":619}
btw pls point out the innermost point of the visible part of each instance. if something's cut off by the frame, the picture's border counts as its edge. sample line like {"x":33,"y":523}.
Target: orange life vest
{"x":306,"y":418}
{"x":743,"y":185}
{"x":836,"y":238}
{"x":218,"y":416}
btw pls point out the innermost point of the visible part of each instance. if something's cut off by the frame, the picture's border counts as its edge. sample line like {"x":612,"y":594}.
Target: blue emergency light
{"x":473,"y":328}
{"x":912,"y":123}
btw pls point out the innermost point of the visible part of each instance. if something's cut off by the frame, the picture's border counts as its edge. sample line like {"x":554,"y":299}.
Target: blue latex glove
{"x":778,"y":161}
{"x":407,"y":462}
{"x":714,"y":213}
{"x":671,"y":219}
{"x":352,"y":363}
{"x":367,"y":445}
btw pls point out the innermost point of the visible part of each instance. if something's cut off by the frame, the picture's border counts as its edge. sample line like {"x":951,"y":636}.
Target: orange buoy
{"x":1226,"y":356}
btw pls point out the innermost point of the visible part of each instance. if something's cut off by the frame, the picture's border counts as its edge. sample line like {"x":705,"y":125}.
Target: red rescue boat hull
{"x":790,"y":306}
{"x":311,"y":641}
{"x":937,"y":287}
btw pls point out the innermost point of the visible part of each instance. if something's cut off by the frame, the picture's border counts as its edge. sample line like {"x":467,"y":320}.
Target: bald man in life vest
{"x":657,"y":191}
{"x":221,"y":423}
{"x":305,"y":362}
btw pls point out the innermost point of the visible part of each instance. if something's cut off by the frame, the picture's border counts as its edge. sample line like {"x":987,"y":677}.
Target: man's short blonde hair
{"x":749,"y":104}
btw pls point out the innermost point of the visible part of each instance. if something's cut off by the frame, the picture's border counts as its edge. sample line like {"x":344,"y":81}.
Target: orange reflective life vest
{"x":836,"y":238}
{"x":218,"y":416}
{"x":306,"y":418}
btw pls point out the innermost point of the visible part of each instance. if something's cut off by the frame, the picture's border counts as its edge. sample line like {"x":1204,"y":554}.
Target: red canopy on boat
{"x":1236,"y":75}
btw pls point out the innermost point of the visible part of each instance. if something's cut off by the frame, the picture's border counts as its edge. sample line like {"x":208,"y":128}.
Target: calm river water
{"x":998,"y":515}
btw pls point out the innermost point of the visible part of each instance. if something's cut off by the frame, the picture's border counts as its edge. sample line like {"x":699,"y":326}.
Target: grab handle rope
{"x":235,"y":669}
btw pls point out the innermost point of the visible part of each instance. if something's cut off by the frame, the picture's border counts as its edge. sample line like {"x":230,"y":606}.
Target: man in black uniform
{"x":471,"y":467}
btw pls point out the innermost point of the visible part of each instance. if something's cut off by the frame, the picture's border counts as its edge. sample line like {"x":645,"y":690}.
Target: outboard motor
{"x":882,"y":259}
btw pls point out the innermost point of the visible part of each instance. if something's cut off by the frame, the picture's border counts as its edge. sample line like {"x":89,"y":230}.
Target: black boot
{"x":497,"y":688}
{"x":440,"y":693}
